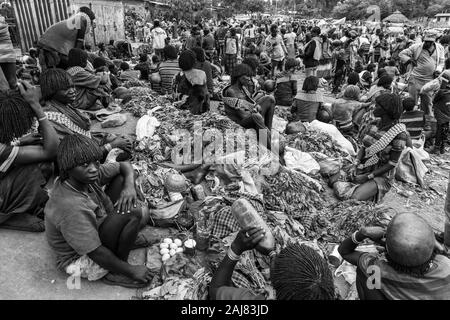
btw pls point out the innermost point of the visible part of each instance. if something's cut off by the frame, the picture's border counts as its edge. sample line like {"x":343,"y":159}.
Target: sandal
{"x":24,"y":222}
{"x":123,"y":281}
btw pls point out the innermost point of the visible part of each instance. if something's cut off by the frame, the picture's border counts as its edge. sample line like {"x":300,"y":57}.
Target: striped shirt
{"x":395,"y":285}
{"x":168,"y":70}
{"x":7,"y":156}
{"x":414,"y":122}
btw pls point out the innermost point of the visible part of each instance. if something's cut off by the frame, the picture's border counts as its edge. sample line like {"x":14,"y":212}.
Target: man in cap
{"x":427,"y":60}
{"x":409,"y":269}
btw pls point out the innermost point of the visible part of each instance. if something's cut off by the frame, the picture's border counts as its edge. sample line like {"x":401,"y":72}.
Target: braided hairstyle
{"x":76,"y":150}
{"x":16,"y":116}
{"x":52,"y":80}
{"x":300,"y":273}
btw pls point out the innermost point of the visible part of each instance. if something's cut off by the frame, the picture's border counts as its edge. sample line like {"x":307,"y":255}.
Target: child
{"x":413,"y":119}
{"x":90,"y":235}
{"x":286,"y":84}
{"x":339,"y":65}
{"x":126,"y":74}
{"x":392,"y":70}
{"x":154,"y":69}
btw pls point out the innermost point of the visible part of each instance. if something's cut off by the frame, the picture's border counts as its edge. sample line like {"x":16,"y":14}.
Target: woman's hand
{"x":32,"y":95}
{"x":127,"y":200}
{"x":247,"y":239}
{"x":31,"y":139}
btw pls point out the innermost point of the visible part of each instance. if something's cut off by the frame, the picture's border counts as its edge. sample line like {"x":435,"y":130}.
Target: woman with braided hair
{"x":382,"y":146}
{"x":59,"y":93}
{"x":298,"y":272}
{"x":22,"y":197}
{"x":90,"y":228}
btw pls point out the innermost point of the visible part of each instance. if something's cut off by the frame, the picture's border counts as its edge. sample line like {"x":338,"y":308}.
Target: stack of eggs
{"x":170,"y":247}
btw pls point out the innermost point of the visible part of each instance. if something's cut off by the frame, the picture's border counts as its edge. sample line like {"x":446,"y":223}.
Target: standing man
{"x":56,"y":42}
{"x":159,"y":39}
{"x":313,"y":53}
{"x":427,"y":61}
{"x":276,"y":49}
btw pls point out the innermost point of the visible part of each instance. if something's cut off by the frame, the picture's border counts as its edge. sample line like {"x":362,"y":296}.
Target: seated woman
{"x":344,"y":110}
{"x":92,"y":230}
{"x":297,"y":272}
{"x":59,"y":94}
{"x":239,"y":105}
{"x":22,"y":181}
{"x":308,"y":102}
{"x":92,"y":91}
{"x":382,"y":85}
{"x":382,"y":146}
{"x":190,"y":85}
{"x":411,"y":268}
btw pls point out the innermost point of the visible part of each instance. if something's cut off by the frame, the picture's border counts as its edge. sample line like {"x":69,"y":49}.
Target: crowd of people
{"x":94,"y":211}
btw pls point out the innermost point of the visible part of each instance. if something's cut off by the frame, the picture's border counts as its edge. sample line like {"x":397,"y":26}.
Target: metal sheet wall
{"x":35,"y":16}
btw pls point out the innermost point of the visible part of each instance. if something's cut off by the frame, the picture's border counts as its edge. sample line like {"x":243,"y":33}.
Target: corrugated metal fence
{"x":35,"y":16}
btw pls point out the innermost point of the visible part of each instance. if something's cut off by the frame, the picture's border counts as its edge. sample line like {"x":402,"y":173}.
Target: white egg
{"x":173,"y":246}
{"x":165,"y":257}
{"x":172,"y":252}
{"x":164,"y":251}
{"x":179,"y":250}
{"x":167,"y":240}
{"x":190,"y":243}
{"x":163,"y":246}
{"x":178,"y":242}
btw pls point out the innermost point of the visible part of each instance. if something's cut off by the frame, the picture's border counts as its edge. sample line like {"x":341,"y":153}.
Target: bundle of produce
{"x":315,"y":141}
{"x":144,"y":99}
{"x":293,"y":193}
{"x":151,"y":181}
{"x":283,"y":112}
{"x":349,"y":216}
{"x":135,"y":83}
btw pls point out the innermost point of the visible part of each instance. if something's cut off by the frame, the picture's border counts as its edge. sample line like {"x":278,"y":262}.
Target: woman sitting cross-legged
{"x":240,"y":106}
{"x":92,"y":231}
{"x":22,"y":178}
{"x":59,"y":94}
{"x":382,"y":146}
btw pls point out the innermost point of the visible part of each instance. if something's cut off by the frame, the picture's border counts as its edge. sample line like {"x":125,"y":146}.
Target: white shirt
{"x":159,"y":36}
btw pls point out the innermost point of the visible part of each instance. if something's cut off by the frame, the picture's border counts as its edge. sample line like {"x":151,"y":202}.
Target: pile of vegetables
{"x":315,"y":141}
{"x":294,"y":193}
{"x":144,"y":99}
{"x":346,"y":217}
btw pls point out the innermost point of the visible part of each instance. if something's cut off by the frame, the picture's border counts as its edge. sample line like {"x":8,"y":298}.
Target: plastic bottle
{"x":247,"y":216}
